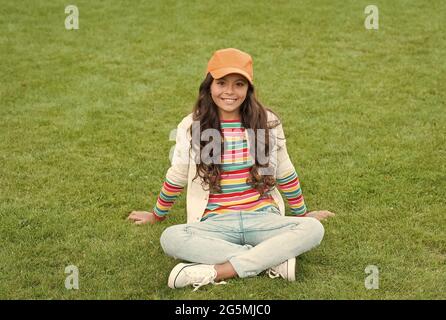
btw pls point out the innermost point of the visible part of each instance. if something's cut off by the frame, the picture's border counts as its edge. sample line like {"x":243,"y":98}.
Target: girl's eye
{"x":240,"y":84}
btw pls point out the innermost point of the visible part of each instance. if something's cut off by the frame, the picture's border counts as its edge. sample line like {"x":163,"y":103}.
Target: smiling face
{"x":228,"y":94}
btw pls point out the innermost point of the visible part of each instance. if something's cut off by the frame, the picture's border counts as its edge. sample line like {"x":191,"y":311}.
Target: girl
{"x":236,"y":223}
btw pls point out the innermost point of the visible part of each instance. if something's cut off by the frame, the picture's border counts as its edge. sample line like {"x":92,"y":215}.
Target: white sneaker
{"x":286,"y":270}
{"x":195,"y":274}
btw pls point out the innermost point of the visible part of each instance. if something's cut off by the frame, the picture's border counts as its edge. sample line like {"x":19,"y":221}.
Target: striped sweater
{"x":236,"y":194}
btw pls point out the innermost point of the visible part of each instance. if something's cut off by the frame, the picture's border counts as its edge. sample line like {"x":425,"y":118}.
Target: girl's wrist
{"x":157,"y":217}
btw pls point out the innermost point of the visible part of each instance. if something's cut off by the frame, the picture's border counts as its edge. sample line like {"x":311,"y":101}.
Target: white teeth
{"x":229,"y":101}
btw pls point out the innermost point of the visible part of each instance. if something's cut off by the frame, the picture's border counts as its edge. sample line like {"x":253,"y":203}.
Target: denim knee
{"x":317,"y":229}
{"x":171,"y":238}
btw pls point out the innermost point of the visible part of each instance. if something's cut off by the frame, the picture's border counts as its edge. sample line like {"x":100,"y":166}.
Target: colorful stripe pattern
{"x":290,"y":186}
{"x":236,"y":194}
{"x":168,"y":194}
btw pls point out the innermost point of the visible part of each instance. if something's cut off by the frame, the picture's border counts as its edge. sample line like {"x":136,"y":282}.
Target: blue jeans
{"x":251,"y":241}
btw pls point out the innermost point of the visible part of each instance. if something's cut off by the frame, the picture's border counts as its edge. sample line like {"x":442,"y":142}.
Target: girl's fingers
{"x":137,"y":217}
{"x":328,"y":214}
{"x":324,"y":214}
{"x":134,"y":216}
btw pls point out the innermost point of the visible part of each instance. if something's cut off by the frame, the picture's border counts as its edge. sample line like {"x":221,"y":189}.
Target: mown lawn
{"x":86,"y":116}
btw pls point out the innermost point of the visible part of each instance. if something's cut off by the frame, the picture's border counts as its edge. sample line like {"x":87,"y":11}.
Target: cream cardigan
{"x":183,"y":167}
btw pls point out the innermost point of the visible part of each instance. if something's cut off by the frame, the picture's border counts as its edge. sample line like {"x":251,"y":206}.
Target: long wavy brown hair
{"x":253,"y":116}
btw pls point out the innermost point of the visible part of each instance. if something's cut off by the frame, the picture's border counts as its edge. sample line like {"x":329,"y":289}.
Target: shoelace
{"x":204,"y":280}
{"x":273,"y":274}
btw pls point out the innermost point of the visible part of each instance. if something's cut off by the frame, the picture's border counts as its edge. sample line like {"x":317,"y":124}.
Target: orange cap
{"x":226,"y":61}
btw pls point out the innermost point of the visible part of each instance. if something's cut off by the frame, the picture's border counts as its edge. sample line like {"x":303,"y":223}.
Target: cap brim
{"x":220,"y":73}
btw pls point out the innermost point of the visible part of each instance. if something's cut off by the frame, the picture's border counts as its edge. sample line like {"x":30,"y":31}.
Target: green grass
{"x":86,"y":116}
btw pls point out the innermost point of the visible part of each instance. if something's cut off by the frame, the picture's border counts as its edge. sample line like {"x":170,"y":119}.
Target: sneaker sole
{"x":291,"y":268}
{"x":175,"y":272}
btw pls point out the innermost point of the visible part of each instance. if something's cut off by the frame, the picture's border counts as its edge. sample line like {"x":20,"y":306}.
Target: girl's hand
{"x":320,"y":215}
{"x":142,"y":217}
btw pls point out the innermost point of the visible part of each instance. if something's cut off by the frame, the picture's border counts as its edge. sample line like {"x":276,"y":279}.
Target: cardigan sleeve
{"x":287,"y":177}
{"x":176,"y":176}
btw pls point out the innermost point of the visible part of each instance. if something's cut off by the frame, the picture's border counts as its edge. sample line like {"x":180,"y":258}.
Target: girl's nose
{"x":229,"y":89}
